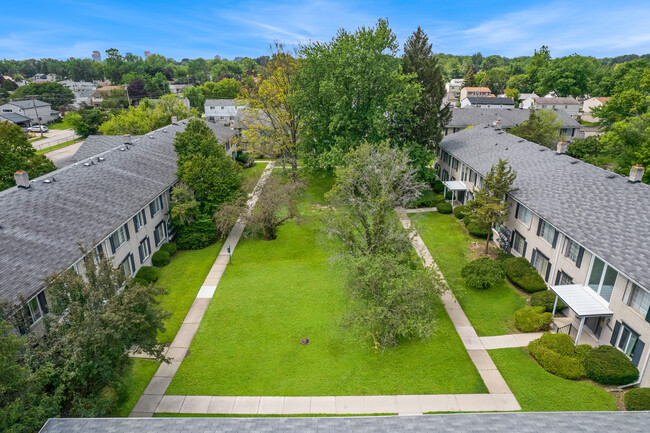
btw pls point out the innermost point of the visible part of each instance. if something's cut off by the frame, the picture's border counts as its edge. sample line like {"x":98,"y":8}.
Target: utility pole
{"x":40,"y":127}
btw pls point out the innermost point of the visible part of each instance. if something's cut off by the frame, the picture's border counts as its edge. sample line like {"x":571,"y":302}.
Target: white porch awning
{"x":455,"y":185}
{"x":582,"y":300}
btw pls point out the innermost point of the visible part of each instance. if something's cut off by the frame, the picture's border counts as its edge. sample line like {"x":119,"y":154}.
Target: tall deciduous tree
{"x":568,"y":76}
{"x":53,"y":93}
{"x":270,"y":121}
{"x":16,"y":153}
{"x":489,"y":206}
{"x":430,"y":111}
{"x":542,"y":127}
{"x":538,"y":64}
{"x":227,"y":88}
{"x":350,"y":90}
{"x":85,"y":122}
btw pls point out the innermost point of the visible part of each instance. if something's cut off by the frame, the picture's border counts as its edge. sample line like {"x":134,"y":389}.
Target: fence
{"x":47,"y":143}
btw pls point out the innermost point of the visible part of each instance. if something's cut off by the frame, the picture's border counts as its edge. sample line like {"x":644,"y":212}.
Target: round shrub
{"x":533,"y":319}
{"x":478,"y":231}
{"x":546,"y":299}
{"x":523,"y":275}
{"x":482,"y":273}
{"x":444,"y":208}
{"x":427,"y":198}
{"x":460,"y":211}
{"x":610,"y":366}
{"x":557,"y":355}
{"x":160,"y":259}
{"x":147,"y":273}
{"x":637,"y":399}
{"x":140,"y":281}
{"x":169,"y":248}
{"x":438,"y":186}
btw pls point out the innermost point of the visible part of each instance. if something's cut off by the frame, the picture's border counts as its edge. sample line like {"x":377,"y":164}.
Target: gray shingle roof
{"x":510,"y":117}
{"x":490,"y":100}
{"x":556,"y":101}
{"x":29,"y":104}
{"x":15,"y":117}
{"x":96,"y":144}
{"x":556,"y":422}
{"x":597,"y":208}
{"x":220,"y":102}
{"x":42,"y":226}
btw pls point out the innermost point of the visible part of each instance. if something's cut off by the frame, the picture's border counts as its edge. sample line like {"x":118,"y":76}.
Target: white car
{"x":37,"y":128}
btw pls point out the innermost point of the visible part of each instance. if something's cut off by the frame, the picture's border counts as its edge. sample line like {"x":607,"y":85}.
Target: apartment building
{"x":222,"y":110}
{"x":115,"y":203}
{"x":583,"y":228}
{"x":467,"y":92}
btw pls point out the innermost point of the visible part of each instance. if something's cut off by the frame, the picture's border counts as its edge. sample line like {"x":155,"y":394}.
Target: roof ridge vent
{"x":611,"y":176}
{"x":543,"y":149}
{"x":575,"y":161}
{"x":521,"y":140}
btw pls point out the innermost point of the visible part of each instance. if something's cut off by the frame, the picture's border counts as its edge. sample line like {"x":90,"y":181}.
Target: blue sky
{"x":68,"y":28}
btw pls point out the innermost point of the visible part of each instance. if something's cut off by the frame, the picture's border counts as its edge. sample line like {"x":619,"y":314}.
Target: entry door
{"x":595,"y":325}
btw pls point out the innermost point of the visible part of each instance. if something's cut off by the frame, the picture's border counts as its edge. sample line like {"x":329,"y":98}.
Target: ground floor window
{"x":541,"y":263}
{"x":144,"y":249}
{"x":519,"y":243}
{"x":627,"y":342}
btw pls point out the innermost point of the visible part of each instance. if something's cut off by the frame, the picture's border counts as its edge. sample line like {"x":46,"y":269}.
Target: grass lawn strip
{"x":537,"y":390}
{"x":276,"y":292}
{"x":491,"y":311}
{"x":58,"y":146}
{"x":137,"y":379}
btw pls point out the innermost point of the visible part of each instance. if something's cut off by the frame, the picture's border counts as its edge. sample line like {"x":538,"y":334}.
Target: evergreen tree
{"x":418,"y":59}
{"x":542,"y":127}
{"x":469,"y":80}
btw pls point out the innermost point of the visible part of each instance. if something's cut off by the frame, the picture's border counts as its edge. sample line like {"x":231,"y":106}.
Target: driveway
{"x":62,"y":157}
{"x":54,"y":137}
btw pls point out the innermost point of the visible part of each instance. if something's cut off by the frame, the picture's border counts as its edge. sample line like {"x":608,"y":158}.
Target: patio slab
{"x":147,"y":403}
{"x":296,"y":405}
{"x":506,"y":402}
{"x":476,"y":403}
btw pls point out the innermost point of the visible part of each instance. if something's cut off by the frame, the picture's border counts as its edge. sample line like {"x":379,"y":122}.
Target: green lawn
{"x":60,"y":126}
{"x":491,"y":312}
{"x":58,"y":146}
{"x":319,"y":184}
{"x":183,"y":278}
{"x":276,"y":292}
{"x":538,"y":390}
{"x":137,"y":379}
{"x":255,"y":171}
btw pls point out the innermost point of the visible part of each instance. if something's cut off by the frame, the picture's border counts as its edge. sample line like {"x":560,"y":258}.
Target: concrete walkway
{"x":506,"y":341}
{"x":152,"y":396}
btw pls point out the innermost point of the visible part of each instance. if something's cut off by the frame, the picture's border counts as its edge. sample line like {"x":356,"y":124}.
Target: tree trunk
{"x":294,"y":169}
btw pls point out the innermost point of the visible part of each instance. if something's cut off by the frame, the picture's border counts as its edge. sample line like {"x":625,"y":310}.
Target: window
{"x":563,"y":279}
{"x":541,"y":263}
{"x":523,"y":214}
{"x":464,"y":173}
{"x":574,"y":252}
{"x":627,"y":341}
{"x":454,"y":163}
{"x":159,"y":233}
{"x":639,"y":300}
{"x":602,"y":278}
{"x":519,"y":243}
{"x":139,"y":220}
{"x":212,"y":107}
{"x":144,"y":249}
{"x":128,"y":266}
{"x":156,"y":205}
{"x":472,"y":176}
{"x":34,"y":310}
{"x":118,"y":237}
{"x":547,"y":232}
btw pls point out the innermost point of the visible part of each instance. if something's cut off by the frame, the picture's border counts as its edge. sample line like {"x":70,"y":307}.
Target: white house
{"x":486,"y":102}
{"x":596,"y":101}
{"x":222,"y":109}
{"x":570,"y":105}
{"x":453,"y":88}
{"x":37,"y":111}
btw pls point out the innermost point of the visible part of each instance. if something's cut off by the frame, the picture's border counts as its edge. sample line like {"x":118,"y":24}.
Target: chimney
{"x":498,"y":125}
{"x":636,"y":173}
{"x":22,"y":179}
{"x":127,"y":138}
{"x":561,"y":147}
{"x":174,"y":120}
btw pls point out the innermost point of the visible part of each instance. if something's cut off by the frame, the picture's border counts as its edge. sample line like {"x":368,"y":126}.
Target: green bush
{"x":140,"y":281}
{"x":557,"y":354}
{"x":449,"y":195}
{"x":428,"y":198}
{"x":444,"y":208}
{"x":523,"y":275}
{"x":148,"y":274}
{"x":637,"y":399}
{"x":460,"y":211}
{"x":482,"y":273}
{"x":610,"y":366}
{"x":438,"y":187}
{"x":199,"y":234}
{"x":533,"y":319}
{"x":169,"y":248}
{"x":546,"y":299}
{"x":160,"y":259}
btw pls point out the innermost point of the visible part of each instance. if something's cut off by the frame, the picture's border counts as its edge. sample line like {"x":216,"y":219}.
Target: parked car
{"x":37,"y":128}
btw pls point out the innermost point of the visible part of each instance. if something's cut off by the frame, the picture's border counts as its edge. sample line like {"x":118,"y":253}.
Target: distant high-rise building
{"x":147,"y":54}
{"x":238,"y":59}
{"x":128,"y":54}
{"x":96,"y":56}
{"x":217,"y":57}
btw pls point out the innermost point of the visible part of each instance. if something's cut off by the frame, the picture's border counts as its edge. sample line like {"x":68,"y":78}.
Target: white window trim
{"x":630,"y":288}
{"x":541,"y":231}
{"x":620,"y":334}
{"x":530,"y":213}
{"x":117,"y":247}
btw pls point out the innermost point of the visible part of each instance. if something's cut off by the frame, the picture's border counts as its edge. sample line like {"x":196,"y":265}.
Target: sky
{"x":67,"y":28}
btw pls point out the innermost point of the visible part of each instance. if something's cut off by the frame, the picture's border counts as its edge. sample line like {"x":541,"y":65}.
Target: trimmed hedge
{"x":546,"y":299}
{"x":438,"y":187}
{"x":140,"y":281}
{"x":482,"y":273}
{"x":147,"y":273}
{"x":169,"y":248}
{"x":444,"y":208}
{"x":637,"y":399}
{"x":523,"y":275}
{"x":160,"y":259}
{"x":557,"y":354}
{"x":427,"y":198}
{"x":199,"y":234}
{"x":533,"y":319}
{"x":610,"y":366}
{"x":460,"y":211}
{"x":475,"y":228}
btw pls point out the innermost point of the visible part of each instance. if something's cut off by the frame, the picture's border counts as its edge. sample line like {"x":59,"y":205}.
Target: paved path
{"x":54,"y":137}
{"x":505,"y":341}
{"x":63,"y":157}
{"x":152,"y":396}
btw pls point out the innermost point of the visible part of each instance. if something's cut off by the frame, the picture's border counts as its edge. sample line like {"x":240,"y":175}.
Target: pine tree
{"x":469,"y":80}
{"x":419,"y":59}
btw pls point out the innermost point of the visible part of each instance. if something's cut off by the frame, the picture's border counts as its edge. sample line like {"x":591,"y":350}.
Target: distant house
{"x":453,"y":89}
{"x":98,"y":96}
{"x":504,"y":119}
{"x":467,"y":92}
{"x":486,"y":102}
{"x":571,"y":105}
{"x":177,"y":89}
{"x":83,"y":91}
{"x":526,"y":96}
{"x":37,"y":111}
{"x":596,"y":101}
{"x":222,"y":110}
{"x":18,"y":119}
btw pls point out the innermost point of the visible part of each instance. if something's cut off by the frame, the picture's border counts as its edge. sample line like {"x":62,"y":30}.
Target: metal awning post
{"x":555,"y":304}
{"x":453,"y":199}
{"x":582,"y":323}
